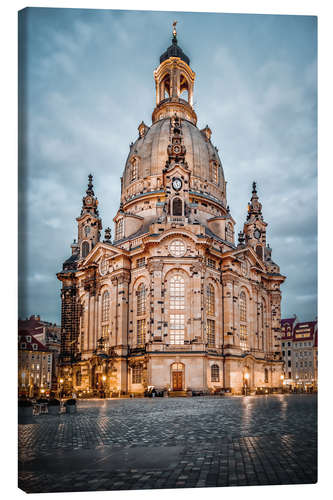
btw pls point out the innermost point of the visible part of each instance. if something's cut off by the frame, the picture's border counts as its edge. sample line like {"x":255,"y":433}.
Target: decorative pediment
{"x":252,"y":257}
{"x":100,"y":251}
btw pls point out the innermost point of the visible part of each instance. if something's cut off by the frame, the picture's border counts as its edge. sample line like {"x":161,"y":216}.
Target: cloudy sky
{"x":86,"y":82}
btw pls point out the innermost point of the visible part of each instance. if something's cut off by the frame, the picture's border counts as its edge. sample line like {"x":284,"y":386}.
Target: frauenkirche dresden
{"x":173,"y":301}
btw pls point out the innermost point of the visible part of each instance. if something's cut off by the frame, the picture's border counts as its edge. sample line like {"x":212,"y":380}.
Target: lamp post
{"x":61,"y":381}
{"x":103,"y":379}
{"x":282,"y":379}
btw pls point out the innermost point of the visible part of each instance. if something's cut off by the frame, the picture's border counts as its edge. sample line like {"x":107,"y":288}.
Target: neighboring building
{"x":299,"y":346}
{"x":35,"y":366}
{"x":173,"y":302}
{"x":47,"y":334}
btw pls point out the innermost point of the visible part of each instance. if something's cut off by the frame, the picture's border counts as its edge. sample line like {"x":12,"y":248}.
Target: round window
{"x":177,"y":248}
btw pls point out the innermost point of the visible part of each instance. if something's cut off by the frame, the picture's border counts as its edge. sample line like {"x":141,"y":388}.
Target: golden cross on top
{"x":174,"y":31}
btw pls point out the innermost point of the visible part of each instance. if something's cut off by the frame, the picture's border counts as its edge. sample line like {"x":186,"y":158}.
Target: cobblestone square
{"x":123,"y":444}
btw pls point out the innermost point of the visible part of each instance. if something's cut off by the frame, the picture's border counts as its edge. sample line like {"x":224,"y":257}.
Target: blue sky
{"x":87,"y":84}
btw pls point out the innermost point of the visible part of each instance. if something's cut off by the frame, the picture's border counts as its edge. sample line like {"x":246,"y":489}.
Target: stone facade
{"x":172,"y":302}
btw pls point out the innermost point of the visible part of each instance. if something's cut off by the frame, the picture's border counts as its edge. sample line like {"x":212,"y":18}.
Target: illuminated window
{"x":243,"y":335}
{"x":177,"y":292}
{"x":137,"y":374}
{"x":106,"y":306}
{"x":141,"y":300}
{"x":215,"y":373}
{"x":211,"y":332}
{"x":242,"y":307}
{"x":140,"y":331}
{"x":210,"y":300}
{"x":177,"y":326}
{"x":119,"y":229}
{"x":177,"y":248}
{"x":266,"y":376}
{"x":85,"y":249}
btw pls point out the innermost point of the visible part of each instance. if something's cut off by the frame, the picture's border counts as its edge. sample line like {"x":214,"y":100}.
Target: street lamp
{"x":103,"y":379}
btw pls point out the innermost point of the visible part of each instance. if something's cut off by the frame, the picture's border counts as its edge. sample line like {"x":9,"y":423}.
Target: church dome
{"x":149,"y":153}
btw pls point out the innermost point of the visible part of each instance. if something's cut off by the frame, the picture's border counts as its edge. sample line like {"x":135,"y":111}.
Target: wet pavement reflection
{"x":171,"y":442}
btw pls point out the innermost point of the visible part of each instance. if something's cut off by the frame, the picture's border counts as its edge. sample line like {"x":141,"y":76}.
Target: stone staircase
{"x":177,"y":394}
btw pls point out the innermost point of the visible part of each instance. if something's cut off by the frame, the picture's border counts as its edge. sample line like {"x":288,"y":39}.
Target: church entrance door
{"x":177,"y":380}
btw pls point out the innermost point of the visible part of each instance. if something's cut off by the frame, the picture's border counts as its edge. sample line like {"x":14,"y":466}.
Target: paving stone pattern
{"x":171,"y":443}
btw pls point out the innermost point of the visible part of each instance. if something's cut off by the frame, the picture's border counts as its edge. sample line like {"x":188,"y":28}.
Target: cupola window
{"x":177,"y":207}
{"x":85,"y":249}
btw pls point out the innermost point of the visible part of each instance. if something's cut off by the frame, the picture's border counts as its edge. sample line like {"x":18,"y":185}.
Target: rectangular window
{"x":35,"y":347}
{"x":289,"y":362}
{"x":283,"y":353}
{"x":140,"y":332}
{"x":289,"y":353}
{"x":211,"y":263}
{"x":289,"y":374}
{"x":137,"y":374}
{"x":141,"y":262}
{"x":211,"y":332}
{"x":119,"y":229}
{"x":28,"y":338}
{"x":177,"y":294}
{"x":243,"y":337}
{"x":177,"y":326}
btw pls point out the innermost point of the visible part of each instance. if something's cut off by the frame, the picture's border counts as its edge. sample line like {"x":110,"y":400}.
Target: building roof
{"x":174,"y":51}
{"x":304,"y":331}
{"x":23,"y":339}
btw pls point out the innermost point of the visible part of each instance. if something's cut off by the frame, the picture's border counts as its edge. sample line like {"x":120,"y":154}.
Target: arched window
{"x":141,"y":300}
{"x":176,"y":304}
{"x":210,"y":300}
{"x":259,"y":251}
{"x":165,"y":87}
{"x":177,"y":207}
{"x":215,"y":373}
{"x":85,"y":249}
{"x":243,"y":340}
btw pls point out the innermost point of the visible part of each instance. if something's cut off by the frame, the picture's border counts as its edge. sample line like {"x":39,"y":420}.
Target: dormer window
{"x":215,"y":173}
{"x":229,"y":232}
{"x":35,"y":347}
{"x":28,"y":338}
{"x":85,"y":249}
{"x":134,"y":169}
{"x":119,"y":229}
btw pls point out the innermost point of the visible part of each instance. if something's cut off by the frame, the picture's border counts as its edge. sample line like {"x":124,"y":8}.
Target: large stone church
{"x":172,"y":301}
